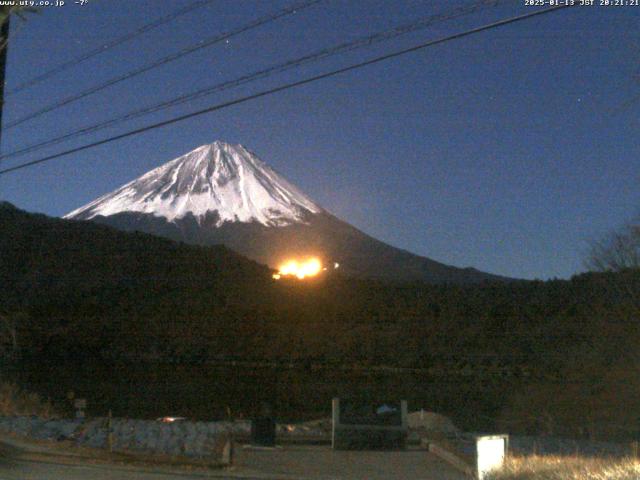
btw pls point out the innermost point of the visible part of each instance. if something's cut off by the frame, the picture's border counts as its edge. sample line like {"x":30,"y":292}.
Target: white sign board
{"x":491,"y":451}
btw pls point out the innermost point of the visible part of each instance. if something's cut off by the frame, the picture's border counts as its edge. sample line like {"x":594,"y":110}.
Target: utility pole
{"x":4,"y":33}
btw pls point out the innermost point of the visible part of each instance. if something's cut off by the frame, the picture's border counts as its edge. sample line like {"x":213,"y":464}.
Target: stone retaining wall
{"x":204,"y":440}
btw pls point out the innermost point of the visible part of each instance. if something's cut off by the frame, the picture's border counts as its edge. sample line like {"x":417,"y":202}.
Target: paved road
{"x":278,"y":469}
{"x":321,"y":462}
{"x":32,"y":470}
{"x":26,"y":461}
{"x":19,"y":469}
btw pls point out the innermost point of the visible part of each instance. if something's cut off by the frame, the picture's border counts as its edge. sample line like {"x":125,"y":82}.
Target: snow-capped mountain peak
{"x":219,"y":177}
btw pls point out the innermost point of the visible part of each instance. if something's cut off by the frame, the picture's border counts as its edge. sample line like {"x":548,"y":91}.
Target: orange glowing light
{"x":299,"y":269}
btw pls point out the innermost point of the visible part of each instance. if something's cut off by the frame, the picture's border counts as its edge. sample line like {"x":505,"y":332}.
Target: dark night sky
{"x":507,"y":151}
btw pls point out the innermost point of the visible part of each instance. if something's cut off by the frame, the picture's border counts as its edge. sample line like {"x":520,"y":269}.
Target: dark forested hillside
{"x":77,"y":289}
{"x":83,"y":286}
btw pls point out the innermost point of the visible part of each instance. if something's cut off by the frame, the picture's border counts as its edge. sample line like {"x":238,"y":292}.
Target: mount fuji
{"x":224,"y":194}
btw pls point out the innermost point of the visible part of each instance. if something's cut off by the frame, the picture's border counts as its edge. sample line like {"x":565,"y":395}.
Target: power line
{"x":163,"y":61}
{"x":265,"y":73}
{"x":108,"y":46}
{"x":288,"y":86}
{"x":4,"y":33}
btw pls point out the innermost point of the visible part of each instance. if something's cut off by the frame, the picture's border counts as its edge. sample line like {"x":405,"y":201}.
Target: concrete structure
{"x":475,"y":458}
{"x":200,"y":440}
{"x":491,"y":451}
{"x":381,"y":425}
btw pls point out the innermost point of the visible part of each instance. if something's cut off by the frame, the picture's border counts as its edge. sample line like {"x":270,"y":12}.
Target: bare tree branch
{"x":617,"y":251}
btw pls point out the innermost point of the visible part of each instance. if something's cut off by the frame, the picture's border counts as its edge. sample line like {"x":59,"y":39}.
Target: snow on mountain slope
{"x":224,"y":194}
{"x":220,"y":177}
